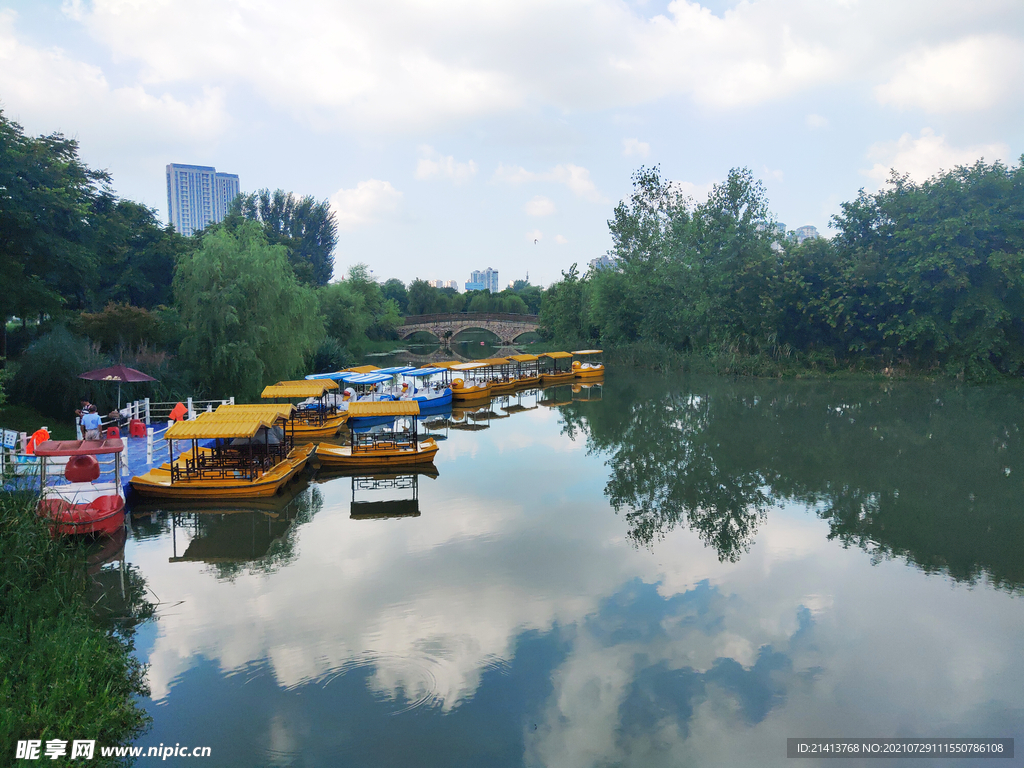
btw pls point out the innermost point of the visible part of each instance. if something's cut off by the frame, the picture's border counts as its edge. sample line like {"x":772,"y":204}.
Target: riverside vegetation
{"x":919,"y":277}
{"x":66,"y":671}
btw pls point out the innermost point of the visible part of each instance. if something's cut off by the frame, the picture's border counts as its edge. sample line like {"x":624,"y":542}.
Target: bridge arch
{"x":507,"y":327}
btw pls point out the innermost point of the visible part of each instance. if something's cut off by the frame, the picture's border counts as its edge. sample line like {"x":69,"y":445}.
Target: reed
{"x":62,"y":675}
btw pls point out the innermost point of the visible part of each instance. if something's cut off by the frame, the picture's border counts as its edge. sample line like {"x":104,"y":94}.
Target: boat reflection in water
{"x":227,"y":534}
{"x":383,"y":496}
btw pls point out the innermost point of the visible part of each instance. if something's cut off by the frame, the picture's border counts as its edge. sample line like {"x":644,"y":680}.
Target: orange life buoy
{"x":39,"y":436}
{"x":178,"y":412}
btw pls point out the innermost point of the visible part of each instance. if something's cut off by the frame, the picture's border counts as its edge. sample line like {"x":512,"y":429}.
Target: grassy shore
{"x":22,"y":418}
{"x":62,"y":676}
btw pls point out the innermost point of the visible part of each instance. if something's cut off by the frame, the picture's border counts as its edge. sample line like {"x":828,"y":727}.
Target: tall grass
{"x":62,"y":676}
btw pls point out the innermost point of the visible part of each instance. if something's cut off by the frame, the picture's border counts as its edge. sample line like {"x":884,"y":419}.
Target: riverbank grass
{"x":61,"y":675}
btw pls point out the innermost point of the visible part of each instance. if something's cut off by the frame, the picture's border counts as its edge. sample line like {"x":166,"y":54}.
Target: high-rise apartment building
{"x":486,"y":280}
{"x":198,"y":196}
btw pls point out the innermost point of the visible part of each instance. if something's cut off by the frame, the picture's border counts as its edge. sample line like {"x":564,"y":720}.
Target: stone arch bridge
{"x":507,"y":327}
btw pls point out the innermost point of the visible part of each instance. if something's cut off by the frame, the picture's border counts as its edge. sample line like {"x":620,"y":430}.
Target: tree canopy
{"x":247,"y":319}
{"x":305,"y":226}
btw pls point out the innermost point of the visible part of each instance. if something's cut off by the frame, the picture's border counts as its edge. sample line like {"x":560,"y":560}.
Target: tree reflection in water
{"x":932,"y":473}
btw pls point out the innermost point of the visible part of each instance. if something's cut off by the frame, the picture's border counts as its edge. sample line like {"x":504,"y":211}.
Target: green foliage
{"x":60,"y":672}
{"x":47,"y":374}
{"x":119,"y":325}
{"x":395,"y":289}
{"x":425,"y":299}
{"x":247,"y":320}
{"x":306,"y":227}
{"x":331,"y":355}
{"x":923,"y":276}
{"x":344,"y":311}
{"x":384,"y":315}
{"x":134,"y":254}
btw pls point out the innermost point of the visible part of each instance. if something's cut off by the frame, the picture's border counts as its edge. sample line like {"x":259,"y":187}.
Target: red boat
{"x":82,"y":505}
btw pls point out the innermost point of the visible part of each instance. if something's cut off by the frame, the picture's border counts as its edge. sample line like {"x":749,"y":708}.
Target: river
{"x":663,"y":571}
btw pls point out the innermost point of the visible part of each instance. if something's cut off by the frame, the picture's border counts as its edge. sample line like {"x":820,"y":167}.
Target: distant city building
{"x":435,"y":283}
{"x":483,"y":281}
{"x":806,"y":232}
{"x":198,"y":196}
{"x":453,"y":284}
{"x":603,"y":262}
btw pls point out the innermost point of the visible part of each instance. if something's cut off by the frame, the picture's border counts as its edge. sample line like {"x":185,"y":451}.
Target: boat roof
{"x":467,"y":366}
{"x":494,"y":361}
{"x":588,"y":352}
{"x":558,"y":355}
{"x":270,"y":411}
{"x":207,"y":426}
{"x":384,"y":408}
{"x":360,"y":369}
{"x":79,"y":447}
{"x":304,"y":388}
{"x":424,"y":372}
{"x":395,"y":369}
{"x":365,"y":378}
{"x":446,"y":363}
{"x":523,"y":358}
{"x":555,"y":403}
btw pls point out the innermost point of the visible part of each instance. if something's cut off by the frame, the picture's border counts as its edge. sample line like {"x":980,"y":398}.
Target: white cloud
{"x":539,"y":206}
{"x":635,"y":147}
{"x":534,"y":236}
{"x":366,"y":204}
{"x":432,"y":164}
{"x":967,"y":75}
{"x":816,"y":121}
{"x":48,"y":90}
{"x":406,"y":65}
{"x":575,"y":177}
{"x":926,"y":155}
{"x":699,"y":192}
{"x":559,"y":240}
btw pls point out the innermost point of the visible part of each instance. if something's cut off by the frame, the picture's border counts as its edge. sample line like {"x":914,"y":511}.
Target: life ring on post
{"x":39,"y":436}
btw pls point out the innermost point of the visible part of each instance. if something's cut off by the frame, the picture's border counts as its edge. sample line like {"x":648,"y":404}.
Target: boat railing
{"x":383,"y":441}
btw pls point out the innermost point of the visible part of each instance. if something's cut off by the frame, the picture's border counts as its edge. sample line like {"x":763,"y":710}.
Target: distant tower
{"x":198,"y":196}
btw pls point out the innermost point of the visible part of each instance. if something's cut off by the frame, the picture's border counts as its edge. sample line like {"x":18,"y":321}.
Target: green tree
{"x":383,"y":313}
{"x":307,"y":227}
{"x":46,"y":200}
{"x":395,"y":289}
{"x":248,"y":321}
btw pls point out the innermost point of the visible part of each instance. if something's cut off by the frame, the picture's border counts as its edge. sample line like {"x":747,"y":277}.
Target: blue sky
{"x":452,"y":136}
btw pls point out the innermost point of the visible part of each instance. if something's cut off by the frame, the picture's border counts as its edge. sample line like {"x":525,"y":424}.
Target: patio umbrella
{"x":120,"y":374}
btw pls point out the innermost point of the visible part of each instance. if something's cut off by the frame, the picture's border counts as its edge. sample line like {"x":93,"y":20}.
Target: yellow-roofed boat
{"x":469,"y":382}
{"x":381,"y":449}
{"x":555,"y":368}
{"x":500,"y":374}
{"x":315,"y":417}
{"x":586,"y":364}
{"x":251,"y":455}
{"x":527,"y":370}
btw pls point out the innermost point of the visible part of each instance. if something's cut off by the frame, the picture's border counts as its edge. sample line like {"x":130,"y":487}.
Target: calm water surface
{"x":682,"y":572}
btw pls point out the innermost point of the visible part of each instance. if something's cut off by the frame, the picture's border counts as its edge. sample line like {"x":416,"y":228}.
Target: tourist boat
{"x":433,"y":394}
{"x":373,"y":449}
{"x":82,"y":505}
{"x":247,"y":451}
{"x":469,"y":383}
{"x":500,"y":374}
{"x":527,"y":370}
{"x":314,"y":417}
{"x":555,"y":368}
{"x":586,"y":364}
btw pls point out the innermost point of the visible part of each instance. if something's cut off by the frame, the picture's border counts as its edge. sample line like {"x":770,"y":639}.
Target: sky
{"x":452,"y":136}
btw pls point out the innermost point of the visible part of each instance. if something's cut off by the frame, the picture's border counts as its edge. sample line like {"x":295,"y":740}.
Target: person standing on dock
{"x":91,"y":423}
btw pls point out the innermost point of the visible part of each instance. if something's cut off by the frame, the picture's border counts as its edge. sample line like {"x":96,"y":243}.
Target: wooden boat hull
{"x":329,"y":428}
{"x":467,"y":394}
{"x":525,"y":382}
{"x":547,"y":379}
{"x":157,"y":482}
{"x":342,"y":457}
{"x":590,"y":373}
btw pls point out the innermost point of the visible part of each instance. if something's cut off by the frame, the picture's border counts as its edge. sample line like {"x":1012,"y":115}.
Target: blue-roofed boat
{"x":433,"y":394}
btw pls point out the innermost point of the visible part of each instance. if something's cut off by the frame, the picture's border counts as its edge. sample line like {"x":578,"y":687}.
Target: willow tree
{"x":247,"y":319}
